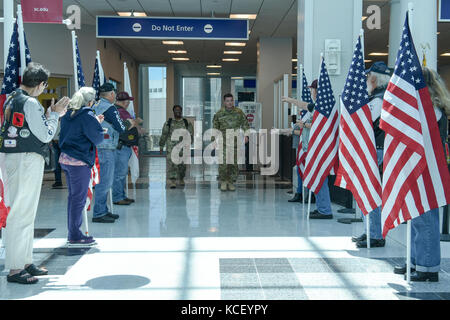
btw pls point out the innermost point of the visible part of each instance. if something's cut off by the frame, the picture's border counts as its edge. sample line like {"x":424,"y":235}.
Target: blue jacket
{"x":80,"y":134}
{"x":112,"y":126}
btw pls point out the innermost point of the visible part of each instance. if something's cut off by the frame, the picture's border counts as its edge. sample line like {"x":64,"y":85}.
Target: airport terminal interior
{"x":197,"y":241}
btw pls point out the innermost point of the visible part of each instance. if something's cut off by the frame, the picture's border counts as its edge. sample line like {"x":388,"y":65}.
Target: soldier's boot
{"x":181,"y":182}
{"x":223,"y":186}
{"x":172,"y":184}
{"x":231,"y":186}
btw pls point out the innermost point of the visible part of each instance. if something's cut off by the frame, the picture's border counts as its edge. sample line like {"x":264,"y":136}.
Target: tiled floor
{"x":199,"y":243}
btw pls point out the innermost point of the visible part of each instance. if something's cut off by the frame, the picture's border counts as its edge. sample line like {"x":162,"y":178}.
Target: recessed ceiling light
{"x":213,"y":74}
{"x":368,"y":61}
{"x":232,"y":52}
{"x":177,"y":51}
{"x":243,"y":16}
{"x":171,"y":42}
{"x":237,"y":78}
{"x":438,"y":32}
{"x":235,"y":44}
{"x":379,"y":54}
{"x":447,"y":54}
{"x":180,"y":59}
{"x":230,"y":59}
{"x":214,"y":66}
{"x":294,"y":74}
{"x":129,"y":14}
{"x":294,"y":60}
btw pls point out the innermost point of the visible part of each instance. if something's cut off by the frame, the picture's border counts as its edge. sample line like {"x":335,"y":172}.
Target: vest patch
{"x":10,"y":143}
{"x":18,"y":119}
{"x":24,"y":133}
{"x":12,"y":132}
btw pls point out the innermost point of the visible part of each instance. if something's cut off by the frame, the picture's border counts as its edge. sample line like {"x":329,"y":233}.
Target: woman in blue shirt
{"x":81,"y":132}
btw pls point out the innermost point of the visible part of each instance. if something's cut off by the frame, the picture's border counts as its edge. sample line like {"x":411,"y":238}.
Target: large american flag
{"x":12,"y":78}
{"x":415,"y":177}
{"x":323,"y":142}
{"x":99,"y":75}
{"x":80,"y":73}
{"x":11,"y":82}
{"x":301,"y":154}
{"x":95,"y":179}
{"x":358,"y":166}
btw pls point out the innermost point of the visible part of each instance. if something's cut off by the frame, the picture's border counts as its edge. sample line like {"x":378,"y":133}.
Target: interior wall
{"x":274,"y":60}
{"x":113,"y":56}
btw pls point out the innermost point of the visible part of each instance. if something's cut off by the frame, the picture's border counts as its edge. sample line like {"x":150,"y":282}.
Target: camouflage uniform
{"x":174,"y":171}
{"x":229,"y":119}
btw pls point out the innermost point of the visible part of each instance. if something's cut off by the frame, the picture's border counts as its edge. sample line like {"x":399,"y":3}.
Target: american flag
{"x":95,"y":179}
{"x":416,"y":177}
{"x":11,"y":79}
{"x":358,"y":165}
{"x":323,"y":142}
{"x":81,"y":82}
{"x":4,"y":210}
{"x":99,"y":75}
{"x":301,"y":155}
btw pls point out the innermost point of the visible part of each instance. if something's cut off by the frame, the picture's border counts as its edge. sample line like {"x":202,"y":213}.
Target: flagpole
{"x":23,"y":61}
{"x":361,"y":36}
{"x":318,"y":81}
{"x":408,"y":224}
{"x":75,"y":72}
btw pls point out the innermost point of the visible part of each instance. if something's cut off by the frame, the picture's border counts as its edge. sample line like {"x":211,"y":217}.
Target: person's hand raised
{"x":100,"y":118}
{"x":61,"y":106}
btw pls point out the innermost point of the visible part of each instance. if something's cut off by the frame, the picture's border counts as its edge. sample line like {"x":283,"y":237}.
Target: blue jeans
{"x":299,"y":183}
{"x":426,"y":242}
{"x":77,"y":178}
{"x":375,"y":224}
{"x":323,"y":201}
{"x":375,"y":215}
{"x":122,"y":157}
{"x":106,"y":160}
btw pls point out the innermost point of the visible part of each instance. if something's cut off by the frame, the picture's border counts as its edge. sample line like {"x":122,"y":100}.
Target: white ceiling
{"x":275,"y":18}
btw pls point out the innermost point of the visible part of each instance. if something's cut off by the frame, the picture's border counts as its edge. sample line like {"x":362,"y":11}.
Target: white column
{"x":424,"y":29}
{"x":8,"y":26}
{"x":345,"y":17}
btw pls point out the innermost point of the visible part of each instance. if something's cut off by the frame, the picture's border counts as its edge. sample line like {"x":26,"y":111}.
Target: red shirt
{"x":124,"y":114}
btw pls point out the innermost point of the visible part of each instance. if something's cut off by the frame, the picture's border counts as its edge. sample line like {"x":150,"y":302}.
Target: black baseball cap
{"x":379,"y":67}
{"x":106,"y":87}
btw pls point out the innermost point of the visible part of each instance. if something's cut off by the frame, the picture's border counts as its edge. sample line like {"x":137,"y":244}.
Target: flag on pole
{"x":95,"y":179}
{"x":301,"y":154}
{"x":134,"y":159}
{"x":99,"y":75}
{"x":4,"y":210}
{"x":323,"y":143}
{"x":80,"y":73}
{"x":415,"y":178}
{"x":358,"y":166}
{"x":127,"y":88}
{"x":12,"y":78}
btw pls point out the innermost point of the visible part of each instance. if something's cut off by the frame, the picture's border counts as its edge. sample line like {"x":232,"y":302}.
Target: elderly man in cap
{"x":113,"y":126}
{"x":378,"y":77}
{"x":127,"y":139}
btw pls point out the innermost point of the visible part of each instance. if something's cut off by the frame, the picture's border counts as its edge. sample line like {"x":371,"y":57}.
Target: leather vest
{"x":16,"y":136}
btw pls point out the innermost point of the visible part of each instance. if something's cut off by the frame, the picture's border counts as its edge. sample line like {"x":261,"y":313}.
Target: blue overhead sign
{"x":444,"y":10}
{"x":172,"y":28}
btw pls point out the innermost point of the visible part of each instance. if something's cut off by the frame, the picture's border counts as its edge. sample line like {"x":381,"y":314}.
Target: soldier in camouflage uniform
{"x":229,"y":117}
{"x":174,"y":171}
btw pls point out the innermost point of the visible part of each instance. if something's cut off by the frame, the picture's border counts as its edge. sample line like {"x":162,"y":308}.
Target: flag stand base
{"x":349,"y":220}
